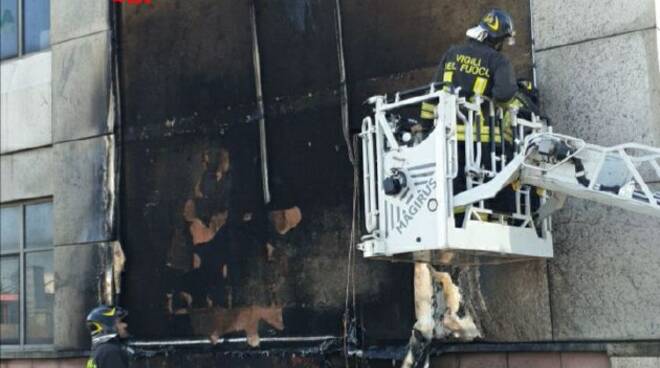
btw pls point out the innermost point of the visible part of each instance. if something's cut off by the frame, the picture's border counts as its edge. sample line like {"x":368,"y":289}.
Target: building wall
{"x":58,"y":141}
{"x":26,"y":102}
{"x":600,"y":81}
{"x":83,"y":130}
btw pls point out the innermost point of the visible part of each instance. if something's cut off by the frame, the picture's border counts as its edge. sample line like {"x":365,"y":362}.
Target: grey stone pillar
{"x":83,"y":161}
{"x":599,"y":79}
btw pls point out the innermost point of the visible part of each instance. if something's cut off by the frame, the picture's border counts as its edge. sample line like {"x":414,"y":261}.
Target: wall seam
{"x":549,"y":283}
{"x":28,"y":149}
{"x":595,"y":39}
{"x":84,"y":138}
{"x":79,"y":37}
{"x":94,"y":242}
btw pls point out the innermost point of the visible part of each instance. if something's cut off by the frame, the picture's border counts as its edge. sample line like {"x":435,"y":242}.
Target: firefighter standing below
{"x":107,"y":327}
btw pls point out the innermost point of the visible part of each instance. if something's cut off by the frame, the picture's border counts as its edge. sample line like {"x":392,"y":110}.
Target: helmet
{"x":498,"y":25}
{"x":101,"y":322}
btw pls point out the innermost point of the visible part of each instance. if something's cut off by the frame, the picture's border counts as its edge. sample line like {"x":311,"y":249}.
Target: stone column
{"x":599,"y":79}
{"x":84,"y":200}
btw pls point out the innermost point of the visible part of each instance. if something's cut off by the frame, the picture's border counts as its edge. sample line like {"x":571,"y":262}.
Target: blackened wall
{"x":200,"y":243}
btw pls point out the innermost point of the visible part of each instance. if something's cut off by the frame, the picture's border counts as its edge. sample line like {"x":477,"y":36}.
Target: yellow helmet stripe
{"x":97,"y":327}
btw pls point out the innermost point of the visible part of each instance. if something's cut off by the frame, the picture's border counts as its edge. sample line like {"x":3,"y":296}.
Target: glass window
{"x":38,"y":225}
{"x":10,"y":228}
{"x":24,"y":27}
{"x":8,"y":28}
{"x":27,"y":281}
{"x":36,"y":25}
{"x":9,"y":300}
{"x":39,"y":298}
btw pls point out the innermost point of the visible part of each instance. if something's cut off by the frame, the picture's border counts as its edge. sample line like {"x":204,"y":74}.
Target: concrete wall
{"x":22,"y":175}
{"x":83,"y":161}
{"x":599,"y":78}
{"x":25,"y":102}
{"x":57,"y":128}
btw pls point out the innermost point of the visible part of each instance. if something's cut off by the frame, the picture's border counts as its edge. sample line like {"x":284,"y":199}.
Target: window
{"x":24,"y":27}
{"x":27,"y":285}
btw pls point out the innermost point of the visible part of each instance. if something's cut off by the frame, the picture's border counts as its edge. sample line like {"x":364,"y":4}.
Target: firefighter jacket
{"x":478,"y":69}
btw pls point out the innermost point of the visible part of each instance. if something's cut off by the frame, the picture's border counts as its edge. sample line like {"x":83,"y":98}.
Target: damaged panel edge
{"x":111,"y":265}
{"x":441,"y":313}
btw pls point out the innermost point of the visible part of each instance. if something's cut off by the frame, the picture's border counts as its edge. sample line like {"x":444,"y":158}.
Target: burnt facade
{"x":199,"y":239}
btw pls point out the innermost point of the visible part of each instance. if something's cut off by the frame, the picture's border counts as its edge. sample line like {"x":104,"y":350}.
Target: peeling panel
{"x":218,"y":322}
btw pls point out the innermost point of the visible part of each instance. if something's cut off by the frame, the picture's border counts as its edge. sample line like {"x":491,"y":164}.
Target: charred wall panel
{"x":188,"y":95}
{"x":297,"y":45}
{"x":205,"y":256}
{"x":186,"y":59}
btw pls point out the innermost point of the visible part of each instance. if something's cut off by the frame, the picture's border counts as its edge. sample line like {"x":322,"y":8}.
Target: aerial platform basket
{"x":409,"y":171}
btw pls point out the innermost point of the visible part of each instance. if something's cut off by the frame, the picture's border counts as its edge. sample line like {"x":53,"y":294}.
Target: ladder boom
{"x":623,"y":176}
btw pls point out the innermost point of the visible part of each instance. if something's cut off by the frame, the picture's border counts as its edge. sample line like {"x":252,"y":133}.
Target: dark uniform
{"x":478,"y":68}
{"x":108,"y":355}
{"x":106,"y":326}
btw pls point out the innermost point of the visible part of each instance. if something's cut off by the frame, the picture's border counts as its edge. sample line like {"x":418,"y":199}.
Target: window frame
{"x":22,"y":253}
{"x":20,"y":10}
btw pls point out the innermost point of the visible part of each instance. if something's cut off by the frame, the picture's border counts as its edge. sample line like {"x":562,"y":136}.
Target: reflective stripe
{"x":480,"y":85}
{"x":485,"y":133}
{"x":448,"y":77}
{"x":485,"y":138}
{"x":428,"y":111}
{"x":427,"y":115}
{"x":429,"y":107}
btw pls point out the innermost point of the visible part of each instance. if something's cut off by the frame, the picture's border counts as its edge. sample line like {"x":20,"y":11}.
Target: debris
{"x":285,"y":220}
{"x":438,"y":309}
{"x":246,"y":319}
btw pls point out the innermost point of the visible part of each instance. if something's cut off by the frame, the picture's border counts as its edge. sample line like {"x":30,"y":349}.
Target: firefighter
{"x":477,"y":67}
{"x":107,"y":327}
